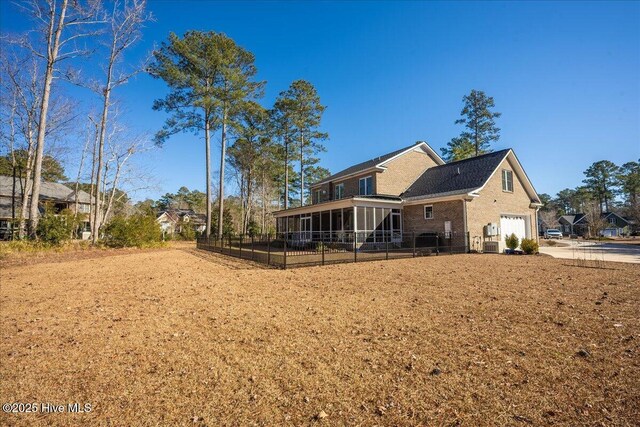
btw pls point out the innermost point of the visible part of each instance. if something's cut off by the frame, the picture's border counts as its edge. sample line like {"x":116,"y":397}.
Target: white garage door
{"x":513,"y":224}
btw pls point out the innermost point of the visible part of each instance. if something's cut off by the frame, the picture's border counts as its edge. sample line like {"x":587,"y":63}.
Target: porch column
{"x":331,"y":222}
{"x":355,"y":219}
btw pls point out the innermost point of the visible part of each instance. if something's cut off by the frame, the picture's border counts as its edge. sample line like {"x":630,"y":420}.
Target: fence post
{"x":355,"y":244}
{"x":387,"y":248}
{"x":437,"y":244}
{"x":268,"y":249}
{"x":413,"y":236}
{"x":323,"y":244}
{"x":252,"y":248}
{"x":284,"y":251}
{"x":241,"y":239}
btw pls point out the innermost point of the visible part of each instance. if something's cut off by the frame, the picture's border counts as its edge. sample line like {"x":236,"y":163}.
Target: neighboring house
{"x":173,"y":220}
{"x":617,"y":225}
{"x":578,"y":225}
{"x":414,"y":190}
{"x":574,"y":224}
{"x":58,"y":196}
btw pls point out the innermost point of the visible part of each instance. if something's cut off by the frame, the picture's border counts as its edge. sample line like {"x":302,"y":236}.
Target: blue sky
{"x":565,"y":76}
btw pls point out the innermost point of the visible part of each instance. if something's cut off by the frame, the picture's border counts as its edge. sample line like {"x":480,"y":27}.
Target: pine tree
{"x":481,"y":129}
{"x":210,"y":79}
{"x":298,"y":113}
{"x":601,"y":182}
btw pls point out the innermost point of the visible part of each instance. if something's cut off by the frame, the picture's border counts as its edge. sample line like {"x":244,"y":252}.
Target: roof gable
{"x":380,"y":162}
{"x":466,"y":176}
{"x":619,"y":219}
{"x":460,"y":177}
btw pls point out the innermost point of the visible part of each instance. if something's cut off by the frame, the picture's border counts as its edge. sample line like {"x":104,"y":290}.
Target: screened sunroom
{"x":365,"y":220}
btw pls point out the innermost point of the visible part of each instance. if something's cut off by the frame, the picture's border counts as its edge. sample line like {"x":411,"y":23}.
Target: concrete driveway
{"x":606,"y":251}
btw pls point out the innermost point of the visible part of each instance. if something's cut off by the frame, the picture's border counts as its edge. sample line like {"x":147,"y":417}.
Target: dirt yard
{"x":181,"y":337}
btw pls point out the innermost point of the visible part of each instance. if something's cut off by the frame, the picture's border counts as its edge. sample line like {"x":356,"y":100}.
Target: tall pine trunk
{"x":207,"y":144}
{"x":301,"y":169}
{"x":222,"y":162}
{"x":286,"y":172}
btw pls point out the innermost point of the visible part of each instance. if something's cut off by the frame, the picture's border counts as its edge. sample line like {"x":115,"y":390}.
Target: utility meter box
{"x":491,"y":230}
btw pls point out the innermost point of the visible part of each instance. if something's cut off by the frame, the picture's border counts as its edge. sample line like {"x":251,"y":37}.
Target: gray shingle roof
{"x":48,"y":191}
{"x":458,"y":177}
{"x":364,"y":165}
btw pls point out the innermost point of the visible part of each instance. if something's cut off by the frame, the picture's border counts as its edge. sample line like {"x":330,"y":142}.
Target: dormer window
{"x":366,"y":186}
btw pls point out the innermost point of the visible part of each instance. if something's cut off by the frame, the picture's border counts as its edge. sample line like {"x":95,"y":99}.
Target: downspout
{"x":536,"y":224}
{"x":464,"y":225}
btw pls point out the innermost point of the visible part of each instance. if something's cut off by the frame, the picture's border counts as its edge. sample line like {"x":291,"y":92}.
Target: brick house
{"x":412,"y":190}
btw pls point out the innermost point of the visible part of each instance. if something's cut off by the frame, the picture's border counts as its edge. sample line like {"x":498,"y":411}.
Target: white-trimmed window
{"x":612,"y":220}
{"x":366,"y":186}
{"x":507,"y":180}
{"x":318,"y":195}
{"x":339,"y":191}
{"x":428,"y":212}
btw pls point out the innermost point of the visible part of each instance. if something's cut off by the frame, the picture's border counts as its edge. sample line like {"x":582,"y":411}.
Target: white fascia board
{"x":422,"y":200}
{"x":424,"y":146}
{"x":338,"y":204}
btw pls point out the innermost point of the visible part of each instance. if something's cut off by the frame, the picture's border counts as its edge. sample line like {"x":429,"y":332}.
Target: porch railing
{"x":295,"y":249}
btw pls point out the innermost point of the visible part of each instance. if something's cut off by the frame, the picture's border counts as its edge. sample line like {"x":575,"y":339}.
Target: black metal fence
{"x":299,"y":249}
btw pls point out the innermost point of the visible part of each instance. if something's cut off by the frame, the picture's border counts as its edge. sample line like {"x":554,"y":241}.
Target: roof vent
{"x":458,"y":170}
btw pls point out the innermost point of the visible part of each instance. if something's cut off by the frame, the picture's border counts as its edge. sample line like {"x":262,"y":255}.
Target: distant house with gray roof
{"x":57,"y":196}
{"x":412,"y":190}
{"x":578,"y":225}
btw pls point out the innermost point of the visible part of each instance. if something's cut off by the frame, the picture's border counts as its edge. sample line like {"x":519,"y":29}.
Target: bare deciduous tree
{"x":21,"y":84}
{"x":125,"y":22}
{"x":59,"y":26}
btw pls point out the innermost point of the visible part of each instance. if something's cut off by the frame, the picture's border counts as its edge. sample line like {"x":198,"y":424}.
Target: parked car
{"x":553,"y":233}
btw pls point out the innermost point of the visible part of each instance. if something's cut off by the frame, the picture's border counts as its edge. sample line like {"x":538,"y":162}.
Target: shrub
{"x":552,"y":243}
{"x":134,"y":231}
{"x":512,"y":241}
{"x":55,"y":228}
{"x":187,"y":232}
{"x":529,"y":246}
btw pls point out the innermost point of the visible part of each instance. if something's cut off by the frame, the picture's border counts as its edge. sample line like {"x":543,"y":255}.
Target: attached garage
{"x":514,"y":224}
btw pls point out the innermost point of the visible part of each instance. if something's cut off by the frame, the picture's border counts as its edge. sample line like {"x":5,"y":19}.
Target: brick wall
{"x":403,"y":171}
{"x":442,"y":211}
{"x":351,"y":187}
{"x":400,"y":174}
{"x":493,"y":202}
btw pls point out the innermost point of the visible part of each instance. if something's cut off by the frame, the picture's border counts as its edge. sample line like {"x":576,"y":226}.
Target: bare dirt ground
{"x":182,"y":337}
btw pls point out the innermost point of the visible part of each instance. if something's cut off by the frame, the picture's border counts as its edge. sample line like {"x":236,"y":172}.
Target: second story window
{"x":339,"y":191}
{"x":318,"y":196}
{"x":366,"y":186}
{"x":507,"y":180}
